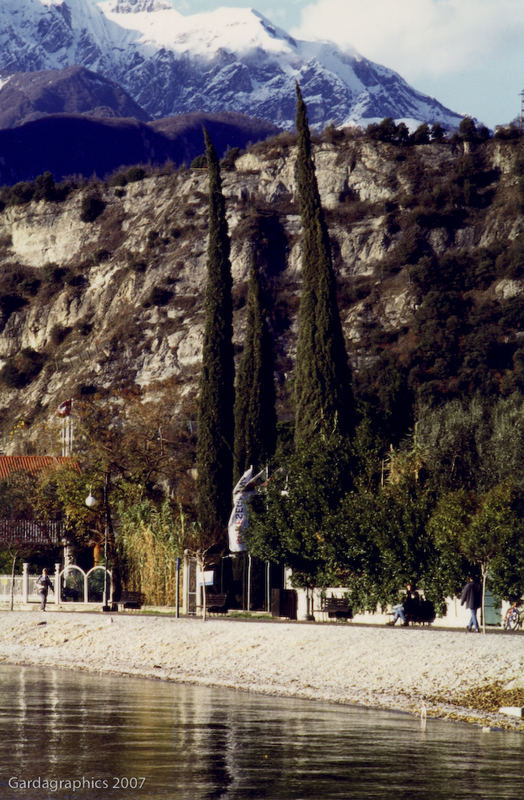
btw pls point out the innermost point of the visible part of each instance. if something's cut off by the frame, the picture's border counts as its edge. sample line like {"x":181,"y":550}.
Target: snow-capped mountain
{"x":229,"y":59}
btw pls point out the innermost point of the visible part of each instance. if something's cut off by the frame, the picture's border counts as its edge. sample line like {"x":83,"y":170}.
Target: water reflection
{"x":196,"y":743}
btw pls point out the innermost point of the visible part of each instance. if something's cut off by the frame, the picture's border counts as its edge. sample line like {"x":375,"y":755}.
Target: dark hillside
{"x":26,"y":96}
{"x":79,"y":145}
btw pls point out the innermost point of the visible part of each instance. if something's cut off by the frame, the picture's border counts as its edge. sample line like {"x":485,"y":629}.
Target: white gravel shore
{"x":404,"y":669}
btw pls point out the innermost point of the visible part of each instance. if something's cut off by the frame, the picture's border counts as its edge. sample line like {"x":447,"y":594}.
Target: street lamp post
{"x":91,"y":502}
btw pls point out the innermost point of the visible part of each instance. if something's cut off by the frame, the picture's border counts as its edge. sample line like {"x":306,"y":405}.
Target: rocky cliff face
{"x":118,"y":302}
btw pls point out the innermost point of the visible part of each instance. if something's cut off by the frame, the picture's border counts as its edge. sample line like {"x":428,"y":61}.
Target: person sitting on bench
{"x":406,"y":607}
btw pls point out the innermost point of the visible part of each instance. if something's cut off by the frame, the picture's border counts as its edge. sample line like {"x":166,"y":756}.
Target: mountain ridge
{"x":26,"y":96}
{"x":225,"y":60}
{"x":103,"y":145}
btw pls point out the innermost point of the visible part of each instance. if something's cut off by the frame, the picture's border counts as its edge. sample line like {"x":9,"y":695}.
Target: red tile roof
{"x":33,"y":464}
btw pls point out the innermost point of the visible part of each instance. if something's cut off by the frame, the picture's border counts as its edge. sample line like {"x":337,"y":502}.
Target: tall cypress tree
{"x":323,"y":395}
{"x":255,"y":416}
{"x":216,"y":400}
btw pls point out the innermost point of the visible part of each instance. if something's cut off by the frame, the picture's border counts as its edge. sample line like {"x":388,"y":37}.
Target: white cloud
{"x":420,"y":37}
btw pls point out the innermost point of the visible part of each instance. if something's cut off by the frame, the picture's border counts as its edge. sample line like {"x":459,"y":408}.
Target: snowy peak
{"x":235,"y":30}
{"x":137,"y":6}
{"x":229,"y":59}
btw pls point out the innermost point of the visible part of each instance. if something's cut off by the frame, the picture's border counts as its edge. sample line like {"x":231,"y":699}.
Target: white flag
{"x":238,"y":521}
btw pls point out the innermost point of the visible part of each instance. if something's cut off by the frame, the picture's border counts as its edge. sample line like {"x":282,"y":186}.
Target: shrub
{"x":92,"y":207}
{"x":228,"y":162}
{"x":200,"y":162}
{"x":507,"y":133}
{"x":135,"y":174}
{"x":155,"y":240}
{"x":21,"y":193}
{"x":85,"y":328}
{"x":332,"y":134}
{"x":59,"y":333}
{"x":101,"y":255}
{"x":19,"y":371}
{"x":159,"y":296}
{"x":54,"y":274}
{"x":86,"y":390}
{"x":135,"y":261}
{"x":9,"y":303}
{"x":118,"y":179}
{"x":44,"y":187}
{"x":132,"y":175}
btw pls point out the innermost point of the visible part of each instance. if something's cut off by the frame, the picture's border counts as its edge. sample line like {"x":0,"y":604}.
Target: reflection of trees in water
{"x":49,"y":721}
{"x":194,"y":742}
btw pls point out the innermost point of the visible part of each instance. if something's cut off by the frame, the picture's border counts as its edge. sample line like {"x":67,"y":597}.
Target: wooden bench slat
{"x":337,"y":606}
{"x":216,"y":601}
{"x":131,"y":600}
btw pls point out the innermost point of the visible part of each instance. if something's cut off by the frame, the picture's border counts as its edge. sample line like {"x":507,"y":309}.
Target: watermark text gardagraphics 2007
{"x":79,"y":784}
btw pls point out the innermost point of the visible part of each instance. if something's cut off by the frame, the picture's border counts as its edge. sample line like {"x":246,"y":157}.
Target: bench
{"x":130,"y":600}
{"x":337,"y":607}
{"x":216,"y":603}
{"x":421,"y":612}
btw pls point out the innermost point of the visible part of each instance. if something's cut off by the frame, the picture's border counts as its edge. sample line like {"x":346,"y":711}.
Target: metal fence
{"x":5,"y":588}
{"x":30,"y":532}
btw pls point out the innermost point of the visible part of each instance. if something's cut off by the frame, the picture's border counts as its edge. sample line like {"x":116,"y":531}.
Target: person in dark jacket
{"x":43,"y":584}
{"x":408,"y":606}
{"x":471,"y":598}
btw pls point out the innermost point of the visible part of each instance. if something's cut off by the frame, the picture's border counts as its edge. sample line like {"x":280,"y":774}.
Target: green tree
{"x":384,"y":131}
{"x":216,"y":399}
{"x":503,"y":456}
{"x":421,"y":135}
{"x":379,"y":543}
{"x":484,"y":534}
{"x":255,"y":415}
{"x":497,"y":540}
{"x":473,"y":444}
{"x":438,"y":133}
{"x":323,"y":394}
{"x":289,"y":522}
{"x":17,"y":505}
{"x":353,"y":554}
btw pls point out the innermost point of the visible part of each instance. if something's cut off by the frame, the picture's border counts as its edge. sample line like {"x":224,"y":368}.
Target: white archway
{"x":77,"y":586}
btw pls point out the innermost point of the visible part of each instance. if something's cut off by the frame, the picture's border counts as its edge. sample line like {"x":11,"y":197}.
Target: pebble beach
{"x":424,"y":671}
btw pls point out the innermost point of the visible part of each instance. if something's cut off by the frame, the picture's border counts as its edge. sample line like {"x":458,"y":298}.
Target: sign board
{"x":207,"y":578}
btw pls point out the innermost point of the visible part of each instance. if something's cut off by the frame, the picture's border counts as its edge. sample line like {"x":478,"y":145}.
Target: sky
{"x":469,"y":54}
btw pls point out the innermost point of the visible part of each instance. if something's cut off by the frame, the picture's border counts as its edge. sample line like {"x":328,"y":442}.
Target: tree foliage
{"x":255,"y":415}
{"x":473,"y":444}
{"x":290,"y":522}
{"x":380,"y":543}
{"x":216,"y":399}
{"x":323,"y":394}
{"x":488,"y":532}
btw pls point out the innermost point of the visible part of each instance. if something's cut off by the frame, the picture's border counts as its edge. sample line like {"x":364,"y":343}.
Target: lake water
{"x":84,"y":737}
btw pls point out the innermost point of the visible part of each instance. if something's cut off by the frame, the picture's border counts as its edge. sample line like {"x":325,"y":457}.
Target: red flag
{"x":64,"y":409}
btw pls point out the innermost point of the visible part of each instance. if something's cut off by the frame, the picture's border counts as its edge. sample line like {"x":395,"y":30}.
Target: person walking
{"x":44,"y":584}
{"x":471,"y":598}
